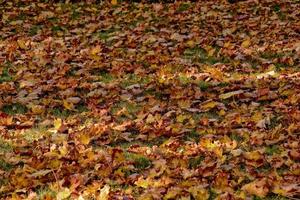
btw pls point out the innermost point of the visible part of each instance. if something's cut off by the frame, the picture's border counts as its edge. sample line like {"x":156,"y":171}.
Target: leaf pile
{"x":187,"y":100}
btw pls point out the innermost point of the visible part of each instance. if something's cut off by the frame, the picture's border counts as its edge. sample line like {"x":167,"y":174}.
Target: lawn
{"x":125,"y":100}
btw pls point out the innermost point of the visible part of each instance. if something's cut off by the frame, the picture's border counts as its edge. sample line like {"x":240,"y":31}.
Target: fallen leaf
{"x":258,"y":188}
{"x":209,"y":105}
{"x":246,"y":43}
{"x":64,"y":194}
{"x":40,"y":173}
{"x":230,"y":94}
{"x":114,"y":2}
{"x":57,"y":123}
{"x":104,"y":193}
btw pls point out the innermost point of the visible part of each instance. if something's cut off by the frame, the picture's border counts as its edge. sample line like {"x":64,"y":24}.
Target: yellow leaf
{"x":21,"y":44}
{"x":258,"y":188}
{"x":63,"y":194}
{"x":114,"y":2}
{"x":68,"y":105}
{"x":199,"y":193}
{"x":230,"y":94}
{"x":279,"y":191}
{"x":37,"y":109}
{"x":57,"y":123}
{"x":181,"y":118}
{"x":227,"y":44}
{"x":253,"y":155}
{"x":95,"y":50}
{"x":222,"y":112}
{"x":190,"y":43}
{"x":40,"y":173}
{"x":267,"y":74}
{"x":184,"y":103}
{"x":211,"y":52}
{"x":84,"y":139}
{"x":63,"y":149}
{"x":104,"y":193}
{"x":215,"y":73}
{"x":209,"y":105}
{"x":150,"y":119}
{"x":257,"y":117}
{"x":246,"y":43}
{"x":144,"y":183}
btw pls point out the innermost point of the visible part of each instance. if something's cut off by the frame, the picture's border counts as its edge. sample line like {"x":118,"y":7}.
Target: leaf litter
{"x":120,"y":100}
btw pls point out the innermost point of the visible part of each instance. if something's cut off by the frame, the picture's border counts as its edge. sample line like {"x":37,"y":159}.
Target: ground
{"x":115,"y":100}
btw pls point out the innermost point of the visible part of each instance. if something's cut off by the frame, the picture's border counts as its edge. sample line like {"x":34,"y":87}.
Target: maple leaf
{"x":104,"y":193}
{"x":64,"y":194}
{"x":258,"y":188}
{"x":149,"y":101}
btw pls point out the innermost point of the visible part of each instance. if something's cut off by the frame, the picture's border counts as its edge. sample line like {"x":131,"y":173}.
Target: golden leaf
{"x":190,"y":43}
{"x":95,"y":50}
{"x":253,"y":155}
{"x":246,"y":43}
{"x":64,"y":194}
{"x":57,"y":123}
{"x":37,"y":109}
{"x":40,"y":173}
{"x":84,"y":139}
{"x":21,"y":44}
{"x":104,"y":193}
{"x":150,"y":119}
{"x":230,"y":94}
{"x":199,"y":193}
{"x":258,"y":188}
{"x":68,"y":105}
{"x":114,"y":2}
{"x":209,"y":105}
{"x":144,"y":183}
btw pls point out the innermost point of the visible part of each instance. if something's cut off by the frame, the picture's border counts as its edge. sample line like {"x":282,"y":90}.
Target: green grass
{"x":271,"y":55}
{"x":198,"y":54}
{"x":106,"y":77}
{"x":195,"y":162}
{"x":81,"y":108}
{"x":34,"y":30}
{"x":236,"y":137}
{"x":60,"y":112}
{"x":192,"y":136}
{"x":21,"y":16}
{"x":149,"y":143}
{"x":131,"y":79}
{"x":5,"y":165}
{"x":276,"y":8}
{"x":105,"y":34}
{"x":270,"y":197}
{"x":15,"y":108}
{"x":131,"y":108}
{"x":223,"y":84}
{"x":273,"y":149}
{"x":140,"y":162}
{"x":183,"y":7}
{"x":53,"y":19}
{"x":203,"y":85}
{"x":195,"y":52}
{"x":5,"y":76}
{"x":212,"y":194}
{"x":56,"y":29}
{"x":184,"y":80}
{"x":34,"y":134}
{"x":75,"y":15}
{"x":45,"y":193}
{"x":5,"y":146}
